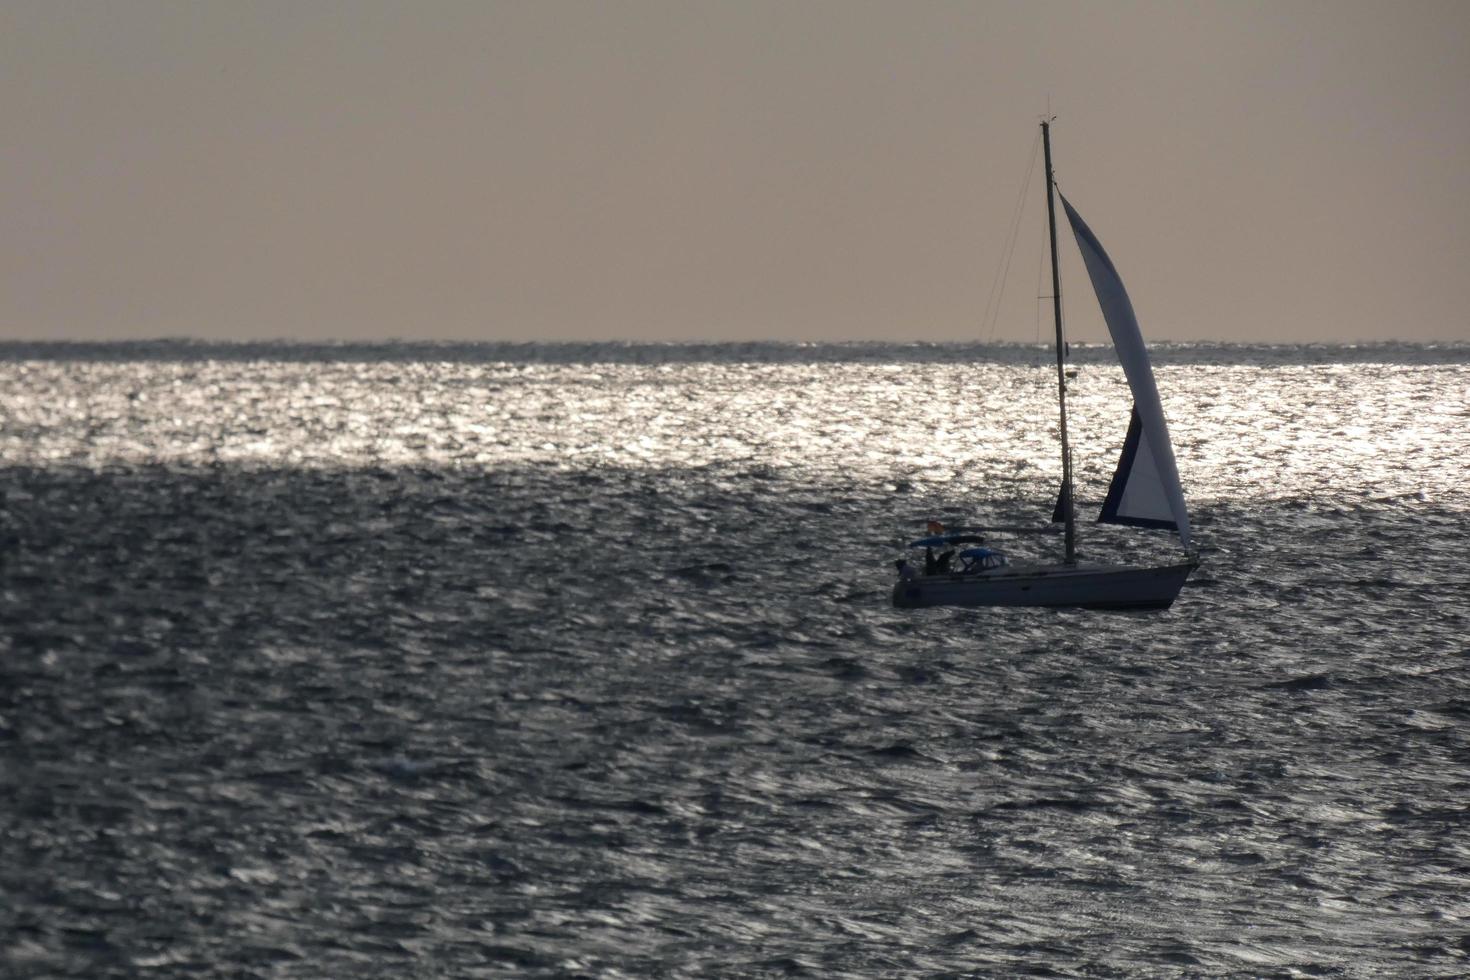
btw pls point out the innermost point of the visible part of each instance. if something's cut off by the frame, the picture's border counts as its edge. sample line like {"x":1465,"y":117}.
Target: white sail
{"x":1145,"y":489}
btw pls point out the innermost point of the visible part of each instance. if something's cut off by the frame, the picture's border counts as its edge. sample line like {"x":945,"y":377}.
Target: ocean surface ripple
{"x":532,"y":663}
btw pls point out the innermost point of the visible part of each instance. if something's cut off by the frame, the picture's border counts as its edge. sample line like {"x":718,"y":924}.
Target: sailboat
{"x":1145,"y":491}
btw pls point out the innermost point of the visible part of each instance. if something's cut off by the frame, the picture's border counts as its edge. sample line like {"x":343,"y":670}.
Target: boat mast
{"x":1068,"y":512}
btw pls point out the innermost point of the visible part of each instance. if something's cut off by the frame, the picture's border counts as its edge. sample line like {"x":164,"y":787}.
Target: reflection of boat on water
{"x":1145,"y":491}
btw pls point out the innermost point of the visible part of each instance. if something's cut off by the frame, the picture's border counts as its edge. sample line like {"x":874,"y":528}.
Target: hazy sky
{"x":725,"y":171}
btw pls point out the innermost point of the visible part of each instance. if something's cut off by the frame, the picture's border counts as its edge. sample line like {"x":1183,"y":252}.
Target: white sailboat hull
{"x":1087,"y":586}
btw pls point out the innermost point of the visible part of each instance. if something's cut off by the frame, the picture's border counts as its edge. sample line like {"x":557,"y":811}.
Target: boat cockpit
{"x":972,"y":561}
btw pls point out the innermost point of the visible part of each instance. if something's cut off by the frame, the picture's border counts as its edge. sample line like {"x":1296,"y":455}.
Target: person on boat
{"x":906,"y":571}
{"x":942,"y":563}
{"x":931,"y":564}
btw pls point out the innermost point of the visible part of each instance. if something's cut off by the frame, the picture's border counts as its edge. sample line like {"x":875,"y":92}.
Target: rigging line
{"x":997,"y":286}
{"x":1040,"y":260}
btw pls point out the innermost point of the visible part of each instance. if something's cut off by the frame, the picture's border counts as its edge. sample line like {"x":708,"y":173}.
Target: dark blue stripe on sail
{"x":1114,"y":498}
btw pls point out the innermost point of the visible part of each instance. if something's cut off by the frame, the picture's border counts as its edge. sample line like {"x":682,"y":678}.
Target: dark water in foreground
{"x":569,"y":665}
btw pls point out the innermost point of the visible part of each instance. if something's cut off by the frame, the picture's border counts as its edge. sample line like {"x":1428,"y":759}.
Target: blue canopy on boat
{"x":940,"y":540}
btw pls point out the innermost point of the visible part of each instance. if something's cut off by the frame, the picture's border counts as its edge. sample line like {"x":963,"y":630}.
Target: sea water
{"x":516,"y":661}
